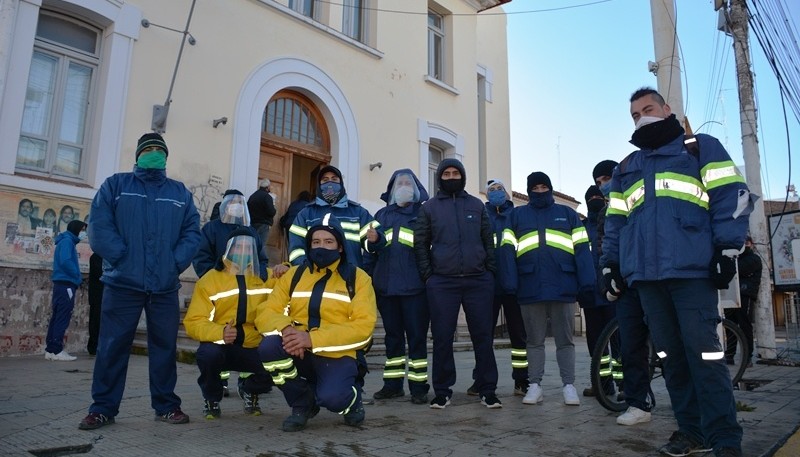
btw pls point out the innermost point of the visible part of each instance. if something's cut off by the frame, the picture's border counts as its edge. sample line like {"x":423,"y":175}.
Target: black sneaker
{"x":299,"y":418}
{"x":250,"y":403}
{"x":440,"y":402}
{"x":95,"y":420}
{"x":727,"y":452}
{"x":355,"y":416}
{"x":473,"y":390}
{"x":387,"y":393}
{"x":681,"y":444}
{"x":491,"y":401}
{"x":225,"y":391}
{"x":212,"y":410}
{"x":521,"y":387}
{"x":419,"y":399}
{"x":176,"y":416}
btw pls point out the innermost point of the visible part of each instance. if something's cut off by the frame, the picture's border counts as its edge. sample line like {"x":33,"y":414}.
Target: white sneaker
{"x":534,"y":395}
{"x":633,"y":416}
{"x":62,"y":356}
{"x":571,"y":395}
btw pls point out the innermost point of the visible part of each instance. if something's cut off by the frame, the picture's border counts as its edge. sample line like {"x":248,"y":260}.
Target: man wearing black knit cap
{"x":146,"y":228}
{"x":455,"y":255}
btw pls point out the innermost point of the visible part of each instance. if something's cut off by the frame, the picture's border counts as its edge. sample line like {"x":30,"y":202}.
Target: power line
{"x":425,"y":13}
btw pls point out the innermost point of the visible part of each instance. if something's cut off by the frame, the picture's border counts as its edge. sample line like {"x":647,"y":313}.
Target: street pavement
{"x":42,"y":402}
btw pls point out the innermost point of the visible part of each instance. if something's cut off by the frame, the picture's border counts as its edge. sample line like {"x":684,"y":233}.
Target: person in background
{"x":66,"y":280}
{"x":303,"y":199}
{"x":313,"y":330}
{"x":455,"y":257}
{"x":220,"y":317}
{"x":400,"y":291}
{"x":95,"y":301}
{"x":261,"y":205}
{"x":551,"y":268}
{"x":677,"y":218}
{"x":749,"y":282}
{"x":147,"y":229}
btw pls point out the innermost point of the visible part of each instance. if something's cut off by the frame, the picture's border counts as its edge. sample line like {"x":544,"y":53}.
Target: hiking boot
{"x":387,"y":393}
{"x":62,"y":356}
{"x":571,"y":395}
{"x":355,"y":416}
{"x":211,"y":410}
{"x":176,"y":416}
{"x":727,"y":452}
{"x":521,"y":387}
{"x":419,"y":399}
{"x":473,"y":390}
{"x":534,"y":395}
{"x":250,"y":403}
{"x":634,"y":416}
{"x":94,"y":421}
{"x":491,"y":401}
{"x":440,"y":402}
{"x":299,"y":418}
{"x":681,"y":444}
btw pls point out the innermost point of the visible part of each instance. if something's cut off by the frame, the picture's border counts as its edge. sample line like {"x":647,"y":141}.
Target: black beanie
{"x":592,"y":191}
{"x":333,"y":169}
{"x":151,"y":139}
{"x":538,"y":177}
{"x":75,"y":227}
{"x":604,"y":168}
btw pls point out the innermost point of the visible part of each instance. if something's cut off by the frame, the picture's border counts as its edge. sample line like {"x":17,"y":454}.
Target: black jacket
{"x":261,"y":207}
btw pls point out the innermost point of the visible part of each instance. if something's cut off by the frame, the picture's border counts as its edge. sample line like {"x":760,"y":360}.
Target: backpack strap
{"x":298,"y":273}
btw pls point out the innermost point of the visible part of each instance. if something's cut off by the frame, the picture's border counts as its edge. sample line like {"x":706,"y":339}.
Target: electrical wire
{"x":425,"y":13}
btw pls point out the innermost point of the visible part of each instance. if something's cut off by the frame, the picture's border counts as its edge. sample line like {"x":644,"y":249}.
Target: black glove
{"x":586,"y":297}
{"x":614,"y":282}
{"x":722,"y":269}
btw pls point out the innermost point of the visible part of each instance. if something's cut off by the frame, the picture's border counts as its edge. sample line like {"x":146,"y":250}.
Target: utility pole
{"x":667,"y":66}
{"x":764,"y":324}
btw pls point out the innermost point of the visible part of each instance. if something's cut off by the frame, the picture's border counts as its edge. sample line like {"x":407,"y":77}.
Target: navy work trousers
{"x":405,"y":318}
{"x":516,"y":333}
{"x":213,"y":359}
{"x":63,"y":303}
{"x":120,"y":315}
{"x":634,"y":350}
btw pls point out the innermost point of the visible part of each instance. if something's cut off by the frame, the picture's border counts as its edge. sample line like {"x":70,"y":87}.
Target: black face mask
{"x":541,"y":199}
{"x":596,"y":205}
{"x":451,"y":186}
{"x":322,"y":257}
{"x":657,"y":134}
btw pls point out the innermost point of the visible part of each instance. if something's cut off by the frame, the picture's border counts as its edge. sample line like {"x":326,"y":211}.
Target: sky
{"x":571,"y":73}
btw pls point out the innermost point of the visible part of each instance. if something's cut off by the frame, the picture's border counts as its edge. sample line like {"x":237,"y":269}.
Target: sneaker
{"x":681,"y":444}
{"x":588,"y":392}
{"x":419,"y":399}
{"x":473,"y":390}
{"x":355,"y":416}
{"x":250,"y":403}
{"x":491,"y":401}
{"x":176,"y":416}
{"x":571,"y":395}
{"x":534,"y":395}
{"x":62,"y":356}
{"x":634,"y":416}
{"x":727,"y":452}
{"x":211,"y":410}
{"x":440,"y":402}
{"x":95,"y":420}
{"x":387,"y":393}
{"x":521,"y":388}
{"x":225,"y":391}
{"x":299,"y":418}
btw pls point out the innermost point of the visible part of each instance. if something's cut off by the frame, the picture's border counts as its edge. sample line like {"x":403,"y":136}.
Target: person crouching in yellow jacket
{"x":313,"y":323}
{"x":220,"y":317}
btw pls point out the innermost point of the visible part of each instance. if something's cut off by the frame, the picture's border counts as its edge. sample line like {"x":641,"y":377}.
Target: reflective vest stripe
{"x":682,"y":187}
{"x":406,"y":236}
{"x":716,"y":174}
{"x":527,"y":242}
{"x":634,"y":195}
{"x":296,"y":253}
{"x":332,"y":295}
{"x":579,"y":235}
{"x":616,"y":205}
{"x":509,"y":238}
{"x":713,"y":355}
{"x":299,"y":231}
{"x":343,"y":347}
{"x":559,"y":240}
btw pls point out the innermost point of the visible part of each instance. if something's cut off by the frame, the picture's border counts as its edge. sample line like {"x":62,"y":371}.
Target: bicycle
{"x":606,"y":367}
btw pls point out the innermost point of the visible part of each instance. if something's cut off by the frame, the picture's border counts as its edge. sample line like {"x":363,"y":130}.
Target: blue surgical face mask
{"x":323,"y":257}
{"x":82,"y":236}
{"x":497,"y":197}
{"x":605,"y":188}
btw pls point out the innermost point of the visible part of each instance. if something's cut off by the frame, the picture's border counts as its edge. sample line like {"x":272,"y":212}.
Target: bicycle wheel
{"x":736,"y":349}
{"x":606,"y":369}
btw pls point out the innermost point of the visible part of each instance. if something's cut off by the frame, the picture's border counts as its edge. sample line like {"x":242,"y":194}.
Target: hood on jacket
{"x":329,"y":223}
{"x":422,"y":193}
{"x":447,"y":163}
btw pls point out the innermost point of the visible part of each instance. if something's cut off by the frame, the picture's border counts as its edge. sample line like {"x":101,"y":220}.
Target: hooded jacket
{"x":146,"y":228}
{"x":394,"y":265}
{"x":214,"y":241}
{"x":453,"y":235}
{"x":65,"y":259}
{"x":499,"y":217}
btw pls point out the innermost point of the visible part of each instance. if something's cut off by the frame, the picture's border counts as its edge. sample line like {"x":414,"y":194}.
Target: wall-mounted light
{"x":146,"y":23}
{"x":375,"y":165}
{"x":216,"y":122}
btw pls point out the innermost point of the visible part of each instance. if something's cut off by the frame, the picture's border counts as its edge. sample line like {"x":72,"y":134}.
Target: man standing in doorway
{"x":262,"y":211}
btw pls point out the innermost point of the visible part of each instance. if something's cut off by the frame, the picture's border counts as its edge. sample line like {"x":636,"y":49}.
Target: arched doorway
{"x":295,"y":144}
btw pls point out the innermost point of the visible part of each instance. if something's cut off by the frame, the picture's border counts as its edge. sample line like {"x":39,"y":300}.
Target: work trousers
{"x":516,"y":333}
{"x":63,"y":303}
{"x":213,"y":359}
{"x":405,"y":318}
{"x":634,"y":350}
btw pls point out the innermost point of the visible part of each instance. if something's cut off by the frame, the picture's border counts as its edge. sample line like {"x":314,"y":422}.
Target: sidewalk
{"x":42,"y":402}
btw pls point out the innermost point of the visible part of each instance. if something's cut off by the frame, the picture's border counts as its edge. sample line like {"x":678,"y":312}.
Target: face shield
{"x":233,"y":210}
{"x":404,"y":190}
{"x":241,"y":256}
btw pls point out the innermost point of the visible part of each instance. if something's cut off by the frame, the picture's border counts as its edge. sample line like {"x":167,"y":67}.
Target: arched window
{"x":291,"y":116}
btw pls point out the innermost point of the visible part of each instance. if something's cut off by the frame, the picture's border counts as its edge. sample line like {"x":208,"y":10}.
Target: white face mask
{"x":236,"y":209}
{"x":403,"y":195}
{"x":647,"y":120}
{"x":82,"y":236}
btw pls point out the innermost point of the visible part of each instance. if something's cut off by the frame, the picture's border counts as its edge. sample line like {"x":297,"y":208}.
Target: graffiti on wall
{"x":207,"y":195}
{"x":30,"y":224}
